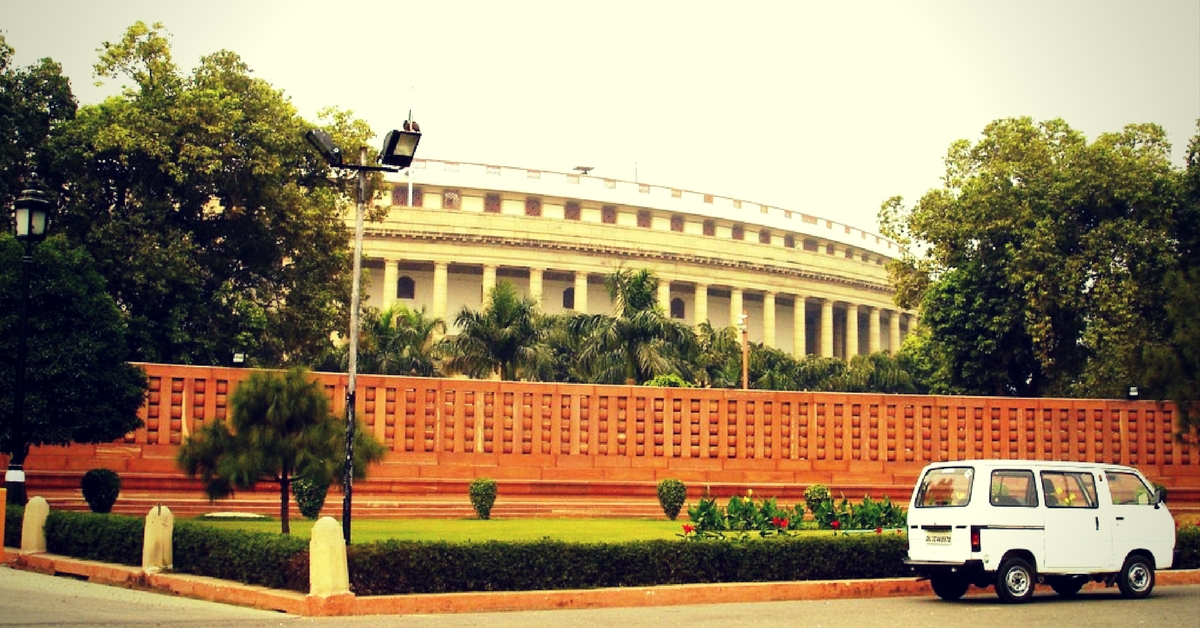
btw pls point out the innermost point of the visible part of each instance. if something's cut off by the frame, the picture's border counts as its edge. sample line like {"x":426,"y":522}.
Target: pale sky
{"x":826,"y":107}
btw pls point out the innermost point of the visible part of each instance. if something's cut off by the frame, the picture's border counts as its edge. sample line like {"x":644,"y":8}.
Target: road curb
{"x":228,"y":592}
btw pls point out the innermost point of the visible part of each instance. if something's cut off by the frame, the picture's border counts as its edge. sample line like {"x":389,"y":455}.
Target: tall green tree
{"x":35,"y":102}
{"x":280,"y":428}
{"x":217,"y":227}
{"x":1173,"y":366}
{"x":1039,"y":266}
{"x":502,"y":340}
{"x":638,"y":341}
{"x":78,"y":386}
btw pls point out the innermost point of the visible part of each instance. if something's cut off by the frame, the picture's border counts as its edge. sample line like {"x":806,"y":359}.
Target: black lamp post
{"x":32,"y":212}
{"x":397,"y":154}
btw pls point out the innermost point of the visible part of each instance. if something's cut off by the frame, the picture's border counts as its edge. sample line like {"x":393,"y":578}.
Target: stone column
{"x":735,"y":305}
{"x":894,"y":332}
{"x":664,"y":296}
{"x":701,"y":302}
{"x":826,"y":328}
{"x":489,"y":283}
{"x":581,"y":292}
{"x":535,"y":287}
{"x":441,"y":288}
{"x":769,"y":319}
{"x":851,"y":331}
{"x":873,"y":343}
{"x":391,"y":274}
{"x":799,"y":333}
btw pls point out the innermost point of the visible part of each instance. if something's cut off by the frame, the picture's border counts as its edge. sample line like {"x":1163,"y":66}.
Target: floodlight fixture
{"x":323,"y":142}
{"x":399,"y":147}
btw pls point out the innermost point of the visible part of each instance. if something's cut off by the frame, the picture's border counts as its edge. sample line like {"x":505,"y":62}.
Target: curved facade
{"x":809,"y":285}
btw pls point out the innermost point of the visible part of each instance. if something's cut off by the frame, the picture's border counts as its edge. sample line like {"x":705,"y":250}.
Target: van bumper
{"x":927,"y":569}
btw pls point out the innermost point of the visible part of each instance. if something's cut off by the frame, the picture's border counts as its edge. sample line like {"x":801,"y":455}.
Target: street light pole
{"x":399,"y":147}
{"x":32,"y":210}
{"x":352,"y":368}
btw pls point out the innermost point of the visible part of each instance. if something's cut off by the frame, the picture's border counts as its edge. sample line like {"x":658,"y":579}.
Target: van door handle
{"x":1097,"y":524}
{"x":1120,"y":518}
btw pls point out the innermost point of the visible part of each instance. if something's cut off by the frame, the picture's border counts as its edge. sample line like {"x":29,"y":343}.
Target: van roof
{"x":1038,"y":464}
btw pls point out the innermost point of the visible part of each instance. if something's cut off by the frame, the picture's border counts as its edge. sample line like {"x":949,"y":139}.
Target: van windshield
{"x":945,"y":487}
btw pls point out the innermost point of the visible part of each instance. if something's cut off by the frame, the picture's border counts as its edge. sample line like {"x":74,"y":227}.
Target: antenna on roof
{"x":584,"y":170}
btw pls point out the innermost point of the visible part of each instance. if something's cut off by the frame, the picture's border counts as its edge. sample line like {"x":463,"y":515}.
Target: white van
{"x":1016,"y":523}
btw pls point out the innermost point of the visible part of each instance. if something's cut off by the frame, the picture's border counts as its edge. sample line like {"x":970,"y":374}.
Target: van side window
{"x":1128,"y":489}
{"x":946,"y":486}
{"x":1013,"y":488}
{"x":1069,"y":489}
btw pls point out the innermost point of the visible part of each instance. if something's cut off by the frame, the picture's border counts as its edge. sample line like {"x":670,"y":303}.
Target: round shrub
{"x":671,"y":495}
{"x":100,"y":489}
{"x":310,"y":496}
{"x":483,"y":495}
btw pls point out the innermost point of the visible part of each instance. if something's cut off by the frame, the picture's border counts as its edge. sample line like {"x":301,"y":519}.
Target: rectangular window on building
{"x":764,"y":236}
{"x":789,"y":241}
{"x":739,"y":232}
{"x":810,"y":245}
{"x":608,"y":214}
{"x":677,"y":223}
{"x":643,"y":217}
{"x":533,"y":206}
{"x":491,"y":204}
{"x":451,"y":199}
{"x":710,"y":228}
{"x":572,"y":211}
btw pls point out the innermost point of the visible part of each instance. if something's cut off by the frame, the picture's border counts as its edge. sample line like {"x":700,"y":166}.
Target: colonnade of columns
{"x":849,"y":344}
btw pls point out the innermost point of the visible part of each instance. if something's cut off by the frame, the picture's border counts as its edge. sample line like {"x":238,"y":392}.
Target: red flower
{"x":688,"y":528}
{"x":878,"y":530}
{"x":779,"y":523}
{"x":836,"y":524}
{"x":785,"y":523}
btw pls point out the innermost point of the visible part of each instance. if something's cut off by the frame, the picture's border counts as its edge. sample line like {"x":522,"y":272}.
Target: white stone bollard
{"x":157,"y":543}
{"x":328,"y":573}
{"x":33,"y":526}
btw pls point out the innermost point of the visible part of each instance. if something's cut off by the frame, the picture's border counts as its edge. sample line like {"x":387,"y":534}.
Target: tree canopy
{"x":217,"y":228}
{"x":1039,"y":267}
{"x":79,"y":386}
{"x":280,"y":428}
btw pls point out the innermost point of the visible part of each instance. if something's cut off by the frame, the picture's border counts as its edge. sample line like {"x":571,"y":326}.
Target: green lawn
{"x":457,"y":530}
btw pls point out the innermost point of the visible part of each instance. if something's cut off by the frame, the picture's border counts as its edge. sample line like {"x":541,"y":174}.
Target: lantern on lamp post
{"x":32,"y":215}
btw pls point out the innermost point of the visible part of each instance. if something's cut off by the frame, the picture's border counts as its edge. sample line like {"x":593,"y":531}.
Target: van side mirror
{"x":1160,"y":496}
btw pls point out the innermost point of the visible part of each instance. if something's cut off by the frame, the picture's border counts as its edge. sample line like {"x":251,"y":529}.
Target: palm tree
{"x":399,"y":341}
{"x":503,"y":339}
{"x":639,"y":341}
{"x":281,"y":429}
{"x":718,"y":357}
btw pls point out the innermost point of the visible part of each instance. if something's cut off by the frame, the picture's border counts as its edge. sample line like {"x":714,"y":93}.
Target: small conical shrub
{"x":671,"y":495}
{"x":310,"y":496}
{"x":483,"y":495}
{"x":100,"y":489}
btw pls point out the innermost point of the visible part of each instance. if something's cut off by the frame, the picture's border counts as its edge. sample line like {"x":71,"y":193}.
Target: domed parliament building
{"x":809,"y":285}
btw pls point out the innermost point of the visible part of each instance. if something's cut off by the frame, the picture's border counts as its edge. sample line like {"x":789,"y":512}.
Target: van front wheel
{"x":1136,"y":579}
{"x":949,"y":587}
{"x":1015,"y":580}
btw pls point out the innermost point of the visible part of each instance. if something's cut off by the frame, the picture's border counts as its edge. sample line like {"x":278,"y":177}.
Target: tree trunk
{"x":284,"y":482}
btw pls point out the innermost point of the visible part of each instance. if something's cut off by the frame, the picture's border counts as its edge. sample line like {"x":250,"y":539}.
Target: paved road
{"x":29,"y":599}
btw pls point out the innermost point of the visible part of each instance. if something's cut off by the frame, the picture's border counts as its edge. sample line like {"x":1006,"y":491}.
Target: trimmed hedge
{"x":277,"y":561}
{"x":13,"y":516}
{"x":398,"y":567}
{"x":93,"y":536}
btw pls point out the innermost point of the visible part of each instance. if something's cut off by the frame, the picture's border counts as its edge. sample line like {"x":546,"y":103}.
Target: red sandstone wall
{"x":564,"y":439}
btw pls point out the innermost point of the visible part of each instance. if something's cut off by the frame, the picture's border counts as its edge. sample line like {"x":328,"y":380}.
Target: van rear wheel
{"x":1015,"y":580}
{"x":1136,"y":579}
{"x":949,"y":587}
